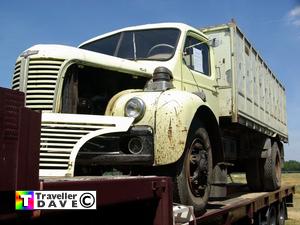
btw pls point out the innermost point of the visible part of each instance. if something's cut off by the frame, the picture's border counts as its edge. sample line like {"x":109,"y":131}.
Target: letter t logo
{"x":24,"y":200}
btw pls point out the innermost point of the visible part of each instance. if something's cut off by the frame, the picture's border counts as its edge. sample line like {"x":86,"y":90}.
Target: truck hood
{"x":140,"y":67}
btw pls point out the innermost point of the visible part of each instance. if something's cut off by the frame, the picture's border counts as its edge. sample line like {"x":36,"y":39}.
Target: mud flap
{"x":219,"y":181}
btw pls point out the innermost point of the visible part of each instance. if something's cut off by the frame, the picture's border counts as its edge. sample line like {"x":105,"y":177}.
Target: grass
{"x":287,"y":179}
{"x":293,"y":213}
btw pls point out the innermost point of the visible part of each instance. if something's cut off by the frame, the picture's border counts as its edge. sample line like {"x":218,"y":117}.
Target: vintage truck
{"x":163,"y":99}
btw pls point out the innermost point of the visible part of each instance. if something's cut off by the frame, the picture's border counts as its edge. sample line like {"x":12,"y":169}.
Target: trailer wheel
{"x":254,"y":173}
{"x":281,"y":213}
{"x":271,"y":216}
{"x":192,"y":185}
{"x":272,"y":169}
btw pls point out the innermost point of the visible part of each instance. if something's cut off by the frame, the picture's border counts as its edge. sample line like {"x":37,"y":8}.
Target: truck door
{"x":198,"y":74}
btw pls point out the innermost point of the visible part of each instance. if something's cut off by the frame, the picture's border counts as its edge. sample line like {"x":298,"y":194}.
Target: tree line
{"x":291,"y":166}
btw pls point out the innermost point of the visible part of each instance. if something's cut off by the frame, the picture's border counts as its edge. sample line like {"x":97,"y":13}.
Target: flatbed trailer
{"x":120,"y":199}
{"x":148,"y":200}
{"x":153,"y":196}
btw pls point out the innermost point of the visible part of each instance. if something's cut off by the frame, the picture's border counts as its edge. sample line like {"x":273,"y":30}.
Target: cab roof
{"x":180,"y":26}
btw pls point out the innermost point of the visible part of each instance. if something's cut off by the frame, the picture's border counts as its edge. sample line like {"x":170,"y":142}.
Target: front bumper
{"x":134,"y":147}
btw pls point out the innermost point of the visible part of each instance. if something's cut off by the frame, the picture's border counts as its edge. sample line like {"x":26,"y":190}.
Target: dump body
{"x":249,"y":92}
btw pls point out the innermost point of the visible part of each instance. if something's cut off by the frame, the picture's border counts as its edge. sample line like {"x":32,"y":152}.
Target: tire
{"x":281,"y":213}
{"x":271,"y":216}
{"x":193,"y":183}
{"x":254,"y":173}
{"x":272,"y":169}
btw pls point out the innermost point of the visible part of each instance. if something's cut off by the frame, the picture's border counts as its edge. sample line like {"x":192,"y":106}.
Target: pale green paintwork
{"x":170,"y":114}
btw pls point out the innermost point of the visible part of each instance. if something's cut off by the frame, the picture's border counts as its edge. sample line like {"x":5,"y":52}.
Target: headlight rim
{"x":142,"y":110}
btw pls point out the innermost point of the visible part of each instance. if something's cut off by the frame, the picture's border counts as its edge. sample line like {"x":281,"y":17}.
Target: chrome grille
{"x":41,"y":82}
{"x":16,"y":77}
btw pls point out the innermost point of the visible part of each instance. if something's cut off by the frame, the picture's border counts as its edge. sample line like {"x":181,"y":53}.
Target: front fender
{"x":170,"y":114}
{"x":174,"y":114}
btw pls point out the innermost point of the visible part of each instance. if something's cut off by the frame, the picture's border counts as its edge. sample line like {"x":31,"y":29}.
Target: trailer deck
{"x":125,"y":199}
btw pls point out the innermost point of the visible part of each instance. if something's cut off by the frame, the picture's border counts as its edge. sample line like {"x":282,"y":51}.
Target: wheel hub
{"x":198,"y":168}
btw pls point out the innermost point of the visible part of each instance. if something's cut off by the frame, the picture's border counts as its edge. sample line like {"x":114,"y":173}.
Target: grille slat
{"x":44,"y":86}
{"x":46,"y":61}
{"x":16,"y":82}
{"x":54,"y":154}
{"x":78,"y":126}
{"x":43,"y":92}
{"x":48,"y":66}
{"x":40,"y":97}
{"x":44,"y":71}
{"x":58,"y":131}
{"x":56,"y":165}
{"x":16,"y":77}
{"x":58,"y":139}
{"x":39,"y":81}
{"x":38,"y":107}
{"x":16,"y":85}
{"x":39,"y":101}
{"x":44,"y":76}
{"x":53,"y":160}
{"x":75,"y":136}
{"x":47,"y":149}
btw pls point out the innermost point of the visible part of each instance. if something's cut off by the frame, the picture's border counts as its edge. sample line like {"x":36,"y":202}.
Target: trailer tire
{"x":271,"y":216}
{"x":272,"y":169}
{"x":281,"y":213}
{"x":254,"y":173}
{"x":192,"y":184}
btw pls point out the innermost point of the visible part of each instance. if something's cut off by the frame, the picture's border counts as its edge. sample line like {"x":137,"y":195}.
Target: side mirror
{"x":188,"y":51}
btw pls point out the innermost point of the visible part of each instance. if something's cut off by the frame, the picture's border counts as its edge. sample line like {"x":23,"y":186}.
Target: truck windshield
{"x":152,"y":44}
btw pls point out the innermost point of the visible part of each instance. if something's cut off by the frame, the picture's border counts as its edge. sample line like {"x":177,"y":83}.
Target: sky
{"x":273,"y":27}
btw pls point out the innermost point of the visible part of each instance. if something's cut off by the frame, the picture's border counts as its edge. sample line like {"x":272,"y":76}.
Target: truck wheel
{"x":271,"y":216}
{"x":254,"y":174}
{"x":281,"y":213}
{"x":192,"y":185}
{"x":272,"y":169}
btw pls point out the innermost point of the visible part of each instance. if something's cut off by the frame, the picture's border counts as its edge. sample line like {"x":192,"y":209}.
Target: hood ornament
{"x":28,"y":53}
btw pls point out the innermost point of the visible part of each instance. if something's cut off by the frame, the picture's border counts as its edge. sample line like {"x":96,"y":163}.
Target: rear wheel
{"x":265,"y":174}
{"x":192,"y":185}
{"x":272,"y":169}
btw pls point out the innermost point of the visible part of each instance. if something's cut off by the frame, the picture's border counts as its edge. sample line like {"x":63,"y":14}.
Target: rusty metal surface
{"x":19,"y":150}
{"x":28,"y":151}
{"x":243,"y":204}
{"x":10,"y":103}
{"x":113,"y":191}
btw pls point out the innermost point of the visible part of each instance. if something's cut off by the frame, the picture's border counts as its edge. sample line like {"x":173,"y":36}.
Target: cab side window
{"x":196,"y":55}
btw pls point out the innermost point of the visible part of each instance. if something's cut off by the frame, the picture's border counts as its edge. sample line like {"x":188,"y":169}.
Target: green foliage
{"x":291,"y":166}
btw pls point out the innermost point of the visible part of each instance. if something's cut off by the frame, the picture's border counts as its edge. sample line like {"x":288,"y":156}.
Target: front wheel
{"x":193,"y":182}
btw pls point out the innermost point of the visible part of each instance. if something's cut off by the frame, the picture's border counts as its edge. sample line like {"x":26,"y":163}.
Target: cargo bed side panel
{"x":258,"y":99}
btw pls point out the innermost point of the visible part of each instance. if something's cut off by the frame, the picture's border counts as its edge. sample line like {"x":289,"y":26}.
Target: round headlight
{"x":135,"y":108}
